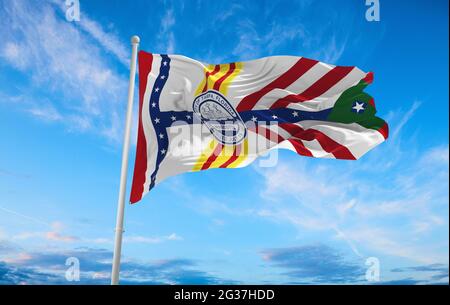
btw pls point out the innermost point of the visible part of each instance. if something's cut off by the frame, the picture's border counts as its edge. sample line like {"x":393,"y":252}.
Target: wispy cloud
{"x":108,"y":41}
{"x":54,"y":234}
{"x":408,"y":115}
{"x":67,"y":67}
{"x":166,"y":37}
{"x":315,"y":264}
{"x":49,"y":267}
{"x":363,"y":206}
{"x":436,"y":272}
{"x":263,"y":36}
{"x":152,"y":240}
{"x":45,"y":112}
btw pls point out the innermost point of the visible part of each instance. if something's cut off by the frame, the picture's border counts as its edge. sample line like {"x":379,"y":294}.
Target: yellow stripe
{"x":207,"y":69}
{"x":225,"y":154}
{"x":226,"y":83}
{"x":213,"y":78}
{"x":227,"y":150}
{"x":205,"y":155}
{"x":242,"y":155}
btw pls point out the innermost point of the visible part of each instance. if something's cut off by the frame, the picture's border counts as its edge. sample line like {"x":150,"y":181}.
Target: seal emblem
{"x":222,"y":120}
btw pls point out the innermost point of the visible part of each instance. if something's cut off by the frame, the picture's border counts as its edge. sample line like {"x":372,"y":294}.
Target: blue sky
{"x":63,"y":89}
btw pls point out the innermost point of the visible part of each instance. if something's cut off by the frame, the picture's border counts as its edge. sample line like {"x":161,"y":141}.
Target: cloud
{"x":167,"y":36}
{"x":408,"y":115}
{"x":406,"y":281}
{"x":332,"y":51}
{"x":10,"y":275}
{"x":253,"y":41}
{"x":11,"y":53}
{"x":439,"y":272}
{"x":54,"y":233}
{"x":266,"y":35}
{"x":95,"y":266}
{"x":174,"y":236}
{"x":64,"y":65}
{"x":315,"y":264}
{"x":152,"y":240}
{"x":110,"y":42}
{"x":391,"y":202}
{"x":45,"y":112}
{"x":436,"y":155}
{"x":59,"y":237}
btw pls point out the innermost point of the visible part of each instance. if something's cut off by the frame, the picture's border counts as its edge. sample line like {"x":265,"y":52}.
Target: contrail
{"x":24,"y":216}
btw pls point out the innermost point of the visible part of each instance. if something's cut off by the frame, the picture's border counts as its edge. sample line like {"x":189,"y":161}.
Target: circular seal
{"x":222,"y":120}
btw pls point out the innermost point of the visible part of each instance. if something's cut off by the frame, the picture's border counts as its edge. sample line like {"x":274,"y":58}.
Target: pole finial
{"x":135,"y":39}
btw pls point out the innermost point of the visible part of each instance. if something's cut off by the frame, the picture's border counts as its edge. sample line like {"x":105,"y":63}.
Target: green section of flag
{"x":345,"y":108}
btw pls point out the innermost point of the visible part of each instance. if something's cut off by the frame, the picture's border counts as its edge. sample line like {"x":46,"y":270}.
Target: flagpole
{"x":123,"y":172}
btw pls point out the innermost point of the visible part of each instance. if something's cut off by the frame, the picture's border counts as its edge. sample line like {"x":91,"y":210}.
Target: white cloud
{"x":55,"y":234}
{"x":11,"y":52}
{"x":392,"y":243}
{"x":174,"y":236}
{"x":332,"y":50}
{"x":65,"y":66}
{"x":324,"y":43}
{"x":59,"y":237}
{"x":45,"y":112}
{"x":436,"y":155}
{"x":142,"y":239}
{"x":168,"y":21}
{"x":152,"y":240}
{"x":392,"y":210}
{"x":166,"y":37}
{"x":108,"y":41}
{"x":408,"y":115}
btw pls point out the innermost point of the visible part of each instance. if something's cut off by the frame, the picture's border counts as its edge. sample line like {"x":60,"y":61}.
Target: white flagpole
{"x":123,"y":172}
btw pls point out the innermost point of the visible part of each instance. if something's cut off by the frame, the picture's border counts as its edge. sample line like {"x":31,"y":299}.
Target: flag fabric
{"x":195,"y":116}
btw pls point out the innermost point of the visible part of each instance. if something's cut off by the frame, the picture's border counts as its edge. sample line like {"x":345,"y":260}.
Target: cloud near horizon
{"x":49,"y":267}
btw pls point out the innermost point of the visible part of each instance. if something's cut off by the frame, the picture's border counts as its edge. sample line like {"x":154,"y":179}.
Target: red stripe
{"x":216,"y":70}
{"x":295,"y":72}
{"x":267,"y":133}
{"x":369,"y":78}
{"x":213,"y":157}
{"x":317,"y":89}
{"x":236,"y":153}
{"x":300,"y":148}
{"x":140,"y":163}
{"x":384,"y":130}
{"x":220,"y":80}
{"x":328,"y":144}
{"x":298,"y":145}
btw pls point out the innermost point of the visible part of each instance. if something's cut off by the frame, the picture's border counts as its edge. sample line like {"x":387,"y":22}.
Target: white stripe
{"x":256,"y":74}
{"x":324,"y":101}
{"x":358,"y":139}
{"x":149,"y":131}
{"x":329,"y":98}
{"x":298,"y":86}
{"x":316,"y":149}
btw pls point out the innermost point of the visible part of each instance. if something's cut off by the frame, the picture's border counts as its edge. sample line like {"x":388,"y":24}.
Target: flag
{"x":195,"y":116}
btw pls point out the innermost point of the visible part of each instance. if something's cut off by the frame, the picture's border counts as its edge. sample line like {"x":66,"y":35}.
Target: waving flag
{"x":195,"y":116}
